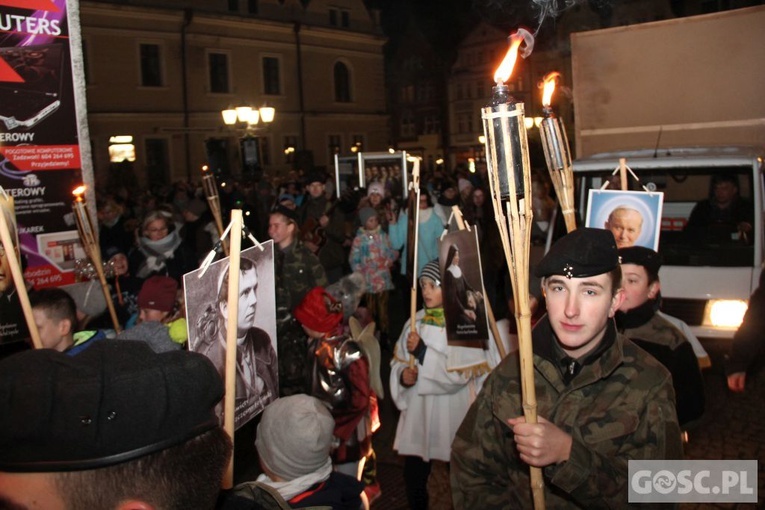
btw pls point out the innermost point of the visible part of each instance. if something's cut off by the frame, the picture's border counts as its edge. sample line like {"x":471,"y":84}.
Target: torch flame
{"x":79,"y":191}
{"x":505,"y":69}
{"x":549,"y":87}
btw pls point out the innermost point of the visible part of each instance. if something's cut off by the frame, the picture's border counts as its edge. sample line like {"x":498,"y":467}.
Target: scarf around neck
{"x":157,"y":252}
{"x":434,"y":317}
{"x":292,"y":488}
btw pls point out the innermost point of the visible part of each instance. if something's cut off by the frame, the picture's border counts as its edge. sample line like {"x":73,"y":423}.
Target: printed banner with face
{"x":39,"y":149}
{"x":634,"y":217}
{"x":463,"y":292}
{"x":257,"y":370}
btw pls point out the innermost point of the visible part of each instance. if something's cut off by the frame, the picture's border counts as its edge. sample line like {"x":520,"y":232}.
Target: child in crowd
{"x":432,"y":397}
{"x":638,"y":319}
{"x":294,"y":440}
{"x":373,"y":255}
{"x":157,"y":302}
{"x":55,"y":315}
{"x":343,"y":375}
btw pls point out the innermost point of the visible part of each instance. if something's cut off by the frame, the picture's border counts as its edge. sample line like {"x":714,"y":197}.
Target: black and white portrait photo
{"x":207,"y":311}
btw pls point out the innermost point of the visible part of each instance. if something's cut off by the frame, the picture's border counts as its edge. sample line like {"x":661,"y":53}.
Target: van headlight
{"x":724,"y":313}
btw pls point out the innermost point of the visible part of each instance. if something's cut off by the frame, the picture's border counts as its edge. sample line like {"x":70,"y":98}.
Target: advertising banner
{"x":39,"y":145}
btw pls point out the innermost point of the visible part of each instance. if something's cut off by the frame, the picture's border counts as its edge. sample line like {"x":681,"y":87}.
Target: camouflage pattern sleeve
{"x":595,"y":478}
{"x":479,"y":461}
{"x":617,"y":409}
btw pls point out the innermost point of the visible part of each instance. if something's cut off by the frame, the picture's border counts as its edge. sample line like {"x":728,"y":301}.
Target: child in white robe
{"x":434,"y":396}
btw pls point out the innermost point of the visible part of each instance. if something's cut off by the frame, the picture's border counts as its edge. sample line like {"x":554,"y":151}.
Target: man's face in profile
{"x":626,"y":225}
{"x":248,"y":285}
{"x":6,"y":277}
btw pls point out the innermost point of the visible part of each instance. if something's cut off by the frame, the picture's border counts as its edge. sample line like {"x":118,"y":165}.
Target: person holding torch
{"x":601,"y":400}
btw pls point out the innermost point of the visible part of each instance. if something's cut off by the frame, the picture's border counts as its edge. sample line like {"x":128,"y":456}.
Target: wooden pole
{"x":213,"y":200}
{"x":492,"y":321}
{"x":514,"y":222}
{"x":623,"y":173}
{"x":415,"y":247}
{"x":6,"y":204}
{"x":87,"y":232}
{"x":231,"y":330}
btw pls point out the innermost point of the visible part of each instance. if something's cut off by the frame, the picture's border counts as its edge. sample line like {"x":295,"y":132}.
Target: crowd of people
{"x":605,"y":359}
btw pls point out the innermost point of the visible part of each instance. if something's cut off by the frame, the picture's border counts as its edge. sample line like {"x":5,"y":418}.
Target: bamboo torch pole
{"x":558,"y":154}
{"x":213,"y":200}
{"x":87,"y":231}
{"x":492,"y":321}
{"x":415,"y":184}
{"x":231,"y":327}
{"x":507,"y":158}
{"x":9,"y":243}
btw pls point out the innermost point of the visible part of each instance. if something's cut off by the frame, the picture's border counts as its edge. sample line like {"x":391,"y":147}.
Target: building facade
{"x":158,"y":78}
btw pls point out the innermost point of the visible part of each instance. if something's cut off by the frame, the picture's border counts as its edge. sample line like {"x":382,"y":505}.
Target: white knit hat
{"x":294,"y":436}
{"x":376,"y":187}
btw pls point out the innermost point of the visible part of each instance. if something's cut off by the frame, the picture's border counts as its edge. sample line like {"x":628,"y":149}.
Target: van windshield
{"x":707,"y":217}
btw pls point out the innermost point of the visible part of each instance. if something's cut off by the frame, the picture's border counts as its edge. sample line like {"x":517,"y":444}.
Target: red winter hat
{"x":158,"y":293}
{"x":319,"y":311}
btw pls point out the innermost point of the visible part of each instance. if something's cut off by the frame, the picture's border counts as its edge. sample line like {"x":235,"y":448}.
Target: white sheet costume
{"x":433,"y":409}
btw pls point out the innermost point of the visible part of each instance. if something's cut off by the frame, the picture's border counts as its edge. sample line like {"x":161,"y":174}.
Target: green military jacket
{"x":297,"y":271}
{"x":619,"y":407}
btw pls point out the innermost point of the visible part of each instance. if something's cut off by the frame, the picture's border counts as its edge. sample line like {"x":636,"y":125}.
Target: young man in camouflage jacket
{"x":601,"y":400}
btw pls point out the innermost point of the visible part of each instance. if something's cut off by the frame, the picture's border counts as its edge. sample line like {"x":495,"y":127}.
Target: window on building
{"x":233,"y":5}
{"x":342,"y":83}
{"x":459,"y":92}
{"x":157,"y":161}
{"x":408,"y":127}
{"x":218,"y":72}
{"x":334,"y":145}
{"x":271,"y":80}
{"x":121,"y":148}
{"x":252,"y":6}
{"x":151,"y":65}
{"x":432,"y":124}
{"x":265,"y":149}
{"x":339,"y":17}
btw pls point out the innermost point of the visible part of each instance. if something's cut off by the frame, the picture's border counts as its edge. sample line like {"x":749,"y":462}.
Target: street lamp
{"x":248,"y":115}
{"x":249,"y":119}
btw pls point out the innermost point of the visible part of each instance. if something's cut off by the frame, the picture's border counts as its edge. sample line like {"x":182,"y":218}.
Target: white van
{"x":705,"y":280}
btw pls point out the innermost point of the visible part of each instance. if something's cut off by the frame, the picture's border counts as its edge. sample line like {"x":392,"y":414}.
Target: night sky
{"x":446,"y":22}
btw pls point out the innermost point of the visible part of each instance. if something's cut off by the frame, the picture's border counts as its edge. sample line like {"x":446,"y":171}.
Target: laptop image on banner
{"x":25,"y":104}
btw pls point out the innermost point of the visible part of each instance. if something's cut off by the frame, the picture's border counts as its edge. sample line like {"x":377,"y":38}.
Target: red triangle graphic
{"x":37,"y":5}
{"x":7,"y":74}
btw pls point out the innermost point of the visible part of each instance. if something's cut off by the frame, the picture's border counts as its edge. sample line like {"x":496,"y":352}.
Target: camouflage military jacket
{"x":618,"y":407}
{"x":297,"y":271}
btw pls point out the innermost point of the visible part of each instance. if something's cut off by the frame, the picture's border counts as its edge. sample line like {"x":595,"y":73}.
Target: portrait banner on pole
{"x":257,"y":382}
{"x":463,"y":290}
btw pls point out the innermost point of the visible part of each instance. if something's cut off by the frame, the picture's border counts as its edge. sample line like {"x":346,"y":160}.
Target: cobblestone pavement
{"x":733,"y":427}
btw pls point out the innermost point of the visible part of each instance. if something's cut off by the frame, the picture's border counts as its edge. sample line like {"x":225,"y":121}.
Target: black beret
{"x":584,"y":252}
{"x":285,"y":211}
{"x":116,"y":401}
{"x":642,"y":256}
